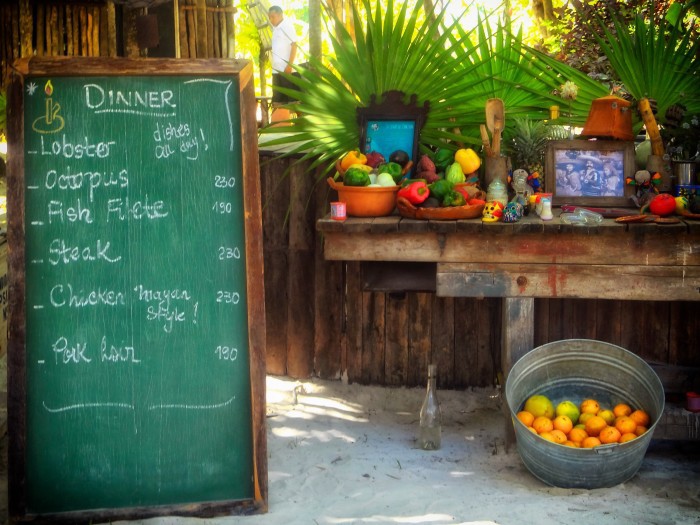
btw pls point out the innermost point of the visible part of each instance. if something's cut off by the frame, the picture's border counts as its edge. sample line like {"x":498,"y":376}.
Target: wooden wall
{"x":320,"y":322}
{"x":206,"y":28}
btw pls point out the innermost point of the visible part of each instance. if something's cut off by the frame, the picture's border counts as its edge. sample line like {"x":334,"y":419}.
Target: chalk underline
{"x":127,"y":406}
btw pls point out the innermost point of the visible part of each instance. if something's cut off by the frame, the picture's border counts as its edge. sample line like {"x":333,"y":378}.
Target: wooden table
{"x":525,"y":260}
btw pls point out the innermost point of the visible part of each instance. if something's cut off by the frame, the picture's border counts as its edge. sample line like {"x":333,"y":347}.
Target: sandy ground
{"x":346,"y":454}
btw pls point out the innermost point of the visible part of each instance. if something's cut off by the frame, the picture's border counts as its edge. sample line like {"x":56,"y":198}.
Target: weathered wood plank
{"x":396,"y":348}
{"x":26,"y":27}
{"x":520,"y":337}
{"x":201,"y":31}
{"x":300,"y":331}
{"x":419,"y":337}
{"x":572,"y":281}
{"x":275,"y":199}
{"x":608,"y":321}
{"x":354,"y":313}
{"x":329,"y":289}
{"x":373,"y":338}
{"x":443,"y":340}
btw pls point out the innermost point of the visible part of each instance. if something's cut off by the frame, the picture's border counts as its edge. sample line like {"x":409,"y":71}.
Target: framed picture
{"x":590,"y":172}
{"x":392,"y":124}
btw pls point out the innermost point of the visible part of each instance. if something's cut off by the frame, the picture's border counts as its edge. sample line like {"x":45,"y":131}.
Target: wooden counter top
{"x":532,"y":258}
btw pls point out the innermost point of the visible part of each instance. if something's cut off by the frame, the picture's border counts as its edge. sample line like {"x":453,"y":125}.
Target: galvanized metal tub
{"x":576,"y":369}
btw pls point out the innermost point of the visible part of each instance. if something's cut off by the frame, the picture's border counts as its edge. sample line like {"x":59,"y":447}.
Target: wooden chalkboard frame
{"x":17,"y":365}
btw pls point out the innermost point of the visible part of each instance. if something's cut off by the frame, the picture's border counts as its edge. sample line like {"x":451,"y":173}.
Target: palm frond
{"x":654,"y":60}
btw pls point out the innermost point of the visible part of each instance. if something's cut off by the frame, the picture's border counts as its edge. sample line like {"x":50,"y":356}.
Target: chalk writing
{"x":75,"y":150}
{"x":122,"y":209}
{"x":69,"y":353}
{"x":87,"y":405}
{"x":64,"y":295}
{"x":226,"y":353}
{"x":186,"y":406}
{"x":76,"y":213}
{"x":163,"y":309}
{"x":229,"y":252}
{"x":117,"y":354}
{"x":90,"y":179}
{"x":60,"y":253}
{"x":117,"y":101}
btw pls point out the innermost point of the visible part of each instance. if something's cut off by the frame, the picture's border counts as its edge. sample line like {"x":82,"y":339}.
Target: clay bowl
{"x":361,"y":201}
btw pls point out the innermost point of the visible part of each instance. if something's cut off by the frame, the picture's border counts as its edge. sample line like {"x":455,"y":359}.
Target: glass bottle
{"x":497,"y":191}
{"x":430,"y":417}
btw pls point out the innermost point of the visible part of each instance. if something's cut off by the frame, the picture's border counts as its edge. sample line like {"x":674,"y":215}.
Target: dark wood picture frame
{"x":254,"y":283}
{"x":590,"y":172}
{"x":393,"y":116}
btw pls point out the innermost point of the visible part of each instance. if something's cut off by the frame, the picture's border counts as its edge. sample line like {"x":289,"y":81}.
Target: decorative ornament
{"x":493,"y":211}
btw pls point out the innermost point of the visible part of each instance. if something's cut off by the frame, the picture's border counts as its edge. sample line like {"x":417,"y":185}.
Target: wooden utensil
{"x":496,"y":143}
{"x":495,"y":121}
{"x":485,"y":140}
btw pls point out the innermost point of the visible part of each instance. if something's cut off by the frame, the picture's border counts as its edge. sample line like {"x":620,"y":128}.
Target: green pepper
{"x":453,"y":198}
{"x":443,"y":158}
{"x":415,"y":193}
{"x":356,"y":177}
{"x":454,"y":173}
{"x":440,"y":188}
{"x":392,"y":168}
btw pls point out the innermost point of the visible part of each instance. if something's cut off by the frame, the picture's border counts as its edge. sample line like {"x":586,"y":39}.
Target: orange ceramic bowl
{"x":366,"y":202}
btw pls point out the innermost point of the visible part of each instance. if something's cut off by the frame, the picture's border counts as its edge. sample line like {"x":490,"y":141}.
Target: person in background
{"x":284,"y":50}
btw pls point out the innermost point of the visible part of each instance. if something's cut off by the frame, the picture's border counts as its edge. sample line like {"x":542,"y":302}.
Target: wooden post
{"x":76,"y":30}
{"x":111,"y":29}
{"x":26,"y":28}
{"x":192,"y":34}
{"x":230,"y":30}
{"x":183,"y":48}
{"x":202,"y":40}
{"x":517,"y":338}
{"x":40,"y":33}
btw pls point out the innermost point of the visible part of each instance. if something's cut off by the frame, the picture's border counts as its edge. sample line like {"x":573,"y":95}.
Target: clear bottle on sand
{"x":430,"y":417}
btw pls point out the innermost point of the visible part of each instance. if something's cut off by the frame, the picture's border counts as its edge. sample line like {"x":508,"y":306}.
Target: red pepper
{"x":415,"y":192}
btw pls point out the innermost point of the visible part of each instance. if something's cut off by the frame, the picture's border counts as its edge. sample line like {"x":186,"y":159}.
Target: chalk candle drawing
{"x":50,"y":121}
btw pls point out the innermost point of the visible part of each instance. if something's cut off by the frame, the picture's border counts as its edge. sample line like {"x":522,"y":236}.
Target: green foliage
{"x":653,"y":59}
{"x":393,"y":50}
{"x":528,"y":143}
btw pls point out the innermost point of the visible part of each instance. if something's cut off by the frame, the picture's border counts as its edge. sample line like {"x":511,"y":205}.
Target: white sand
{"x":345,"y":454}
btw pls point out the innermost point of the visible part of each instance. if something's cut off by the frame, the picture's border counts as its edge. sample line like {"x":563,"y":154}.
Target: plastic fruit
{"x":663,"y":204}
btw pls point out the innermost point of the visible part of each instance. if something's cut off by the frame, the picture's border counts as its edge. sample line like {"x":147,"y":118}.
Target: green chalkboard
{"x":137,"y":363}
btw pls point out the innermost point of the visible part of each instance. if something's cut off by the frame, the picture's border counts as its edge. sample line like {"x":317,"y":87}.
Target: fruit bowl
{"x":468,"y":211}
{"x":362,"y":201}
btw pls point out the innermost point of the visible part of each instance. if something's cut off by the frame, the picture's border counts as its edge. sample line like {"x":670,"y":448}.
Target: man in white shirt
{"x":284,"y":50}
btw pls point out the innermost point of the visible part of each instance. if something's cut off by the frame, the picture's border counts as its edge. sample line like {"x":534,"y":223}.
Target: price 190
{"x":226,"y":353}
{"x":222,"y":207}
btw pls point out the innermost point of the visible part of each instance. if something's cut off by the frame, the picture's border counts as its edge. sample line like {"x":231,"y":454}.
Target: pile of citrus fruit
{"x":587,"y":425}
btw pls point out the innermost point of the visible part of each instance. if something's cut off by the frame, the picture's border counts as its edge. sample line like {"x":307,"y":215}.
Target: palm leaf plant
{"x":528,"y":81}
{"x":653,"y":60}
{"x":549,"y":75}
{"x":392,"y":50}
